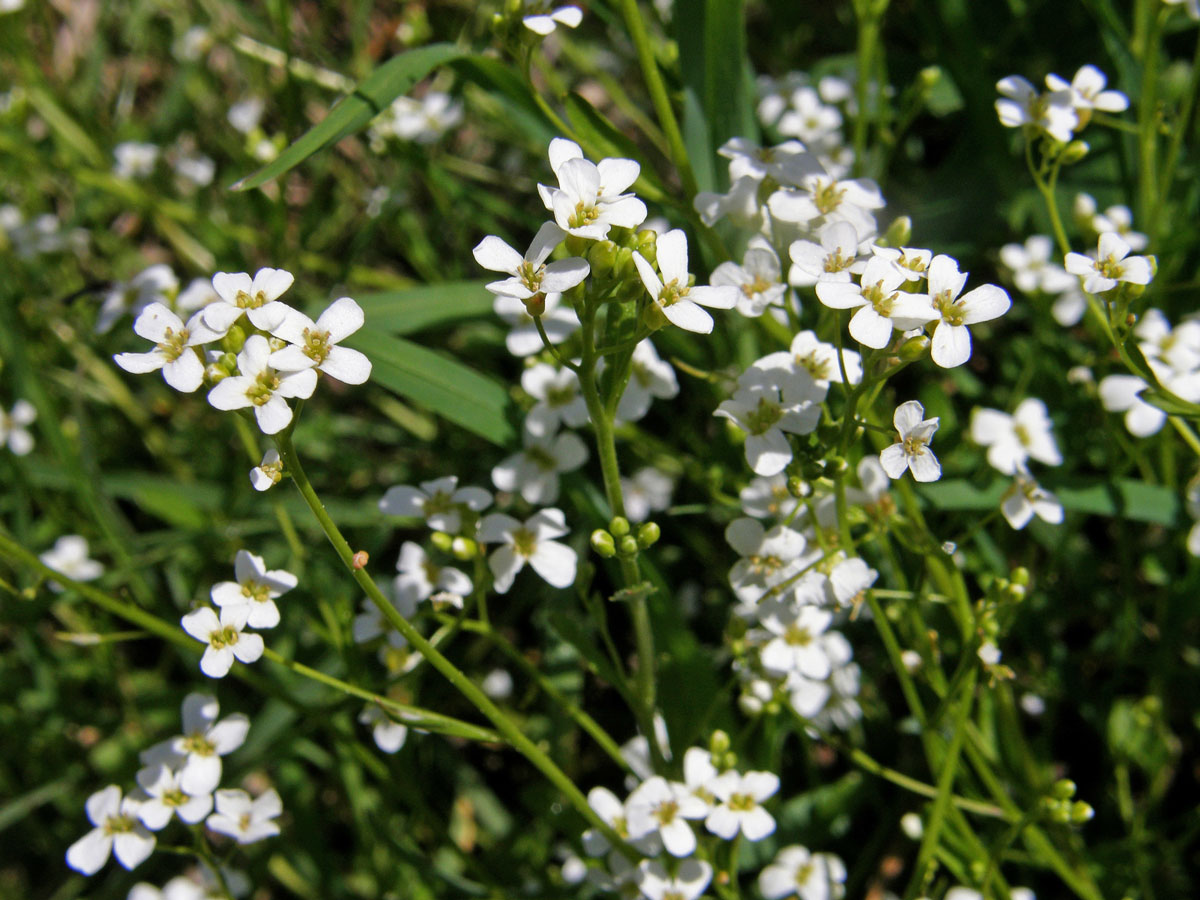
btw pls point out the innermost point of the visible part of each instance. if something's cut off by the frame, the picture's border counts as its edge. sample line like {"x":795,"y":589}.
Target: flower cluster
{"x":248,"y":602}
{"x":278,"y":360}
{"x":1063,"y":109}
{"x":180,"y":777}
{"x":1011,"y":441}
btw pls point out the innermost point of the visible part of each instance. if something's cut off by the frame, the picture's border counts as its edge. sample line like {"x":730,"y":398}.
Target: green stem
{"x":658,"y":94}
{"x":1183,"y":123}
{"x":869,"y":16}
{"x":511,"y":732}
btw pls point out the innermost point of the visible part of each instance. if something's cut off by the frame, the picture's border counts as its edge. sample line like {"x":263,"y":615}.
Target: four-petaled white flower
{"x":542,"y":19}
{"x":1011,"y":440}
{"x":1026,"y":498}
{"x":267,"y":473}
{"x":590,"y":197}
{"x":911,"y":451}
{"x":558,"y":320}
{"x":757,"y":279}
{"x":881,"y":305}
{"x":174,"y":341}
{"x":833,"y":259}
{"x":650,"y":376}
{"x":1112,"y":264}
{"x":440,"y":502}
{"x":154,"y":284}
{"x":534,"y":470}
{"x":531,"y":541}
{"x":658,"y":805}
{"x":166,"y":797}
{"x":420,"y":578}
{"x":12,"y":427}
{"x":244,"y":819}
{"x":1032,"y":268}
{"x":69,"y":556}
{"x":315,"y":344}
{"x":951,"y":345}
{"x":530,"y":274}
{"x":559,"y":401}
{"x":672,"y":295}
{"x":796,"y":872}
{"x":226,"y":638}
{"x":740,"y":807}
{"x":118,"y":831}
{"x":795,"y":644}
{"x":197,"y":752}
{"x":688,"y":883}
{"x":262,"y":386}
{"x":1021,"y":104}
{"x":767,"y":403}
{"x":1087,"y":92}
{"x":257,"y":298}
{"x":1119,"y":393}
{"x":255,"y":588}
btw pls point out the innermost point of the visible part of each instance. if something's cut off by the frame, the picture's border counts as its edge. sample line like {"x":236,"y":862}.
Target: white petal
{"x":925,"y":466}
{"x":688,"y":316}
{"x":89,"y":854}
{"x":141,"y":363}
{"x":273,"y":416}
{"x":951,"y":345}
{"x":341,"y":319}
{"x":346,"y":365}
{"x":494,"y":254}
{"x":673,"y":256}
{"x":555,"y":562}
{"x":870,"y":329}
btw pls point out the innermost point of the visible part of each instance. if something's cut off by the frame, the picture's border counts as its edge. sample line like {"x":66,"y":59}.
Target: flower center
{"x":173,"y":344}
{"x":914,"y":446}
{"x":224,"y":637}
{"x":757,"y":286}
{"x":666,"y":811}
{"x":557,"y":397}
{"x":763,"y":417}
{"x":248,"y":301}
{"x":244,"y":822}
{"x":766,"y":564}
{"x":796,"y":636}
{"x":828,"y":197}
{"x":266,"y":383}
{"x":531,"y":277}
{"x":175,"y":797}
{"x":542,"y":458}
{"x":837,"y":261}
{"x":672,"y":293}
{"x":880,"y":299}
{"x":197,"y":744}
{"x":803,"y":873}
{"x":316,"y":345}
{"x":820,"y":369}
{"x":742,"y":802}
{"x":583,"y":215}
{"x":257,"y":591}
{"x":119,"y":824}
{"x":1110,"y":267}
{"x":1023,"y":435}
{"x":952,"y":312}
{"x":524,"y":542}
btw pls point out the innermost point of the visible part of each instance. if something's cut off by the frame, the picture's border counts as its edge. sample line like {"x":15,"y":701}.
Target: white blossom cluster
{"x":44,"y":234}
{"x":13,"y":431}
{"x":247,"y":602}
{"x":180,"y":777}
{"x":422,"y":121}
{"x":1063,"y":109}
{"x":662,"y":819}
{"x":1012,"y":439}
{"x":278,"y":360}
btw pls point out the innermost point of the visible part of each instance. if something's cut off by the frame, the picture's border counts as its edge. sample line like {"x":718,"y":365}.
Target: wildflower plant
{"x":680,"y":465}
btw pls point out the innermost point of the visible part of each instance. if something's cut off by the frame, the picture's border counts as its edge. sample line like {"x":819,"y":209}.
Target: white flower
{"x":421,"y":578}
{"x":767,"y":403}
{"x":1026,"y":498}
{"x":12,"y":427}
{"x":181,"y":365}
{"x":589,"y":198}
{"x":672,"y":296}
{"x":911,"y":451}
{"x":757,"y":279}
{"x":825,"y":200}
{"x":69,"y":557}
{"x":262,"y":387}
{"x":881,"y":306}
{"x":314,"y":344}
{"x":440,"y":502}
{"x":768,"y":558}
{"x":166,"y":797}
{"x":257,"y":298}
{"x":951,"y":345}
{"x":1119,"y":393}
{"x":768,"y":498}
{"x":605,"y":804}
{"x":808,"y":876}
{"x":1116,"y":218}
{"x":848,"y":580}
{"x":1087,"y":91}
{"x":134,"y":159}
{"x":559,"y":401}
{"x":833,"y":259}
{"x":255,"y":588}
{"x":911,"y":262}
{"x":1032,"y":268}
{"x":787,"y":163}
{"x":244,"y":819}
{"x":650,"y":376}
{"x":740,"y":808}
{"x":689,"y":882}
{"x":534,"y":470}
{"x":1068,"y":308}
{"x":226,"y":638}
{"x":807,"y":118}
{"x":389,"y":735}
{"x":1022,"y":105}
{"x":497,"y":684}
{"x":1112,"y":264}
{"x":529,"y":274}
{"x":648,"y":491}
{"x":423,"y":121}
{"x":1011,"y":440}
{"x":197,"y":169}
{"x":662,"y":806}
{"x":245,"y":115}
{"x":267,"y":473}
{"x":988,"y":653}
{"x":819,"y":359}
{"x":529,"y":542}
{"x":197,"y":752}
{"x":155,"y":284}
{"x":1176,"y":348}
{"x":198,"y":294}
{"x":558,"y":320}
{"x":542,"y":19}
{"x":117,"y":831}
{"x":795,"y":645}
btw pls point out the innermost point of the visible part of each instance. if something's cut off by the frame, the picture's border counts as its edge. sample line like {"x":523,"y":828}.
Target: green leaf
{"x":440,"y":384}
{"x":1170,"y":404}
{"x":355,"y":110}
{"x":1124,"y":497}
{"x":418,"y":308}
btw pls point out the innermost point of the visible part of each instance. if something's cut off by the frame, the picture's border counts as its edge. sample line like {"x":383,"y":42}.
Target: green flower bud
{"x":648,"y":535}
{"x":602,"y":543}
{"x":602,"y":257}
{"x":899,"y":233}
{"x":914,"y":348}
{"x":1074,"y":152}
{"x":464,"y":548}
{"x":627,"y":546}
{"x":234,"y":339}
{"x":576,"y":245}
{"x":798,"y":487}
{"x":442,"y":541}
{"x":654,"y":318}
{"x":624,"y":268}
{"x":1064,"y":789}
{"x":1020,"y":575}
{"x":619,"y":526}
{"x":1081,"y":812}
{"x":719,"y":743}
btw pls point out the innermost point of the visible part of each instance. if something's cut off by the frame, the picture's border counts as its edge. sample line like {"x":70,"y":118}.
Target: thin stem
{"x":512,"y":733}
{"x":558,"y":357}
{"x":658,"y":94}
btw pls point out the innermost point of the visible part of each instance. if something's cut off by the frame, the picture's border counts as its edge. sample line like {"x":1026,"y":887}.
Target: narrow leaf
{"x":426,"y":306}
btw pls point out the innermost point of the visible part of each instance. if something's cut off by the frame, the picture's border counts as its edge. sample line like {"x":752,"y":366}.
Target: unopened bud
{"x":1081,"y":812}
{"x":619,"y":526}
{"x":464,"y":548}
{"x":360,"y":559}
{"x":719,"y":743}
{"x":1064,"y":789}
{"x":603,"y":544}
{"x":602,"y":257}
{"x":899,"y":233}
{"x":648,"y":534}
{"x":654,"y":318}
{"x":1074,"y":152}
{"x":1020,"y":575}
{"x":798,"y":487}
{"x":928,"y":78}
{"x":576,"y":245}
{"x":442,"y":541}
{"x":627,"y":546}
{"x":914,"y":348}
